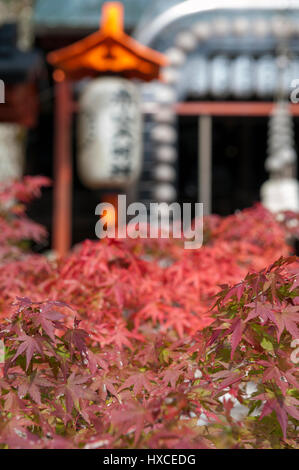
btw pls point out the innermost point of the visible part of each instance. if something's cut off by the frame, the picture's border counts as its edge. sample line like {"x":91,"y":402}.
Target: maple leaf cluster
{"x":146,"y":345}
{"x":15,"y":228}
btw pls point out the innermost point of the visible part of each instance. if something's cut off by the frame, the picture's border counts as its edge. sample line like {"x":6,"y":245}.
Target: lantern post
{"x":108,"y":52}
{"x":62,"y":201}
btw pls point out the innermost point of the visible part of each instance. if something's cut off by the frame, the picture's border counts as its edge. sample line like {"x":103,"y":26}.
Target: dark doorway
{"x":239,"y":153}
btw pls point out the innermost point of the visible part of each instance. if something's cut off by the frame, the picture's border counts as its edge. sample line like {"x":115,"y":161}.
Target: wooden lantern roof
{"x":108,"y":51}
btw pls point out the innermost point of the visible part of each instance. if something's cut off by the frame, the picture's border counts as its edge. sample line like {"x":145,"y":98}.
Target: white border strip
{"x":189,"y":7}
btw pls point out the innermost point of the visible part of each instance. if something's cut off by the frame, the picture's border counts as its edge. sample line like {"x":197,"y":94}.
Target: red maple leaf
{"x":287,"y":318}
{"x":102,"y":384}
{"x":132,"y":417}
{"x":31,"y":385}
{"x":139,"y":380}
{"x":73,"y":389}
{"x":171,"y":375}
{"x":238,"y":329}
{"x":30,"y":345}
{"x":76,"y":340}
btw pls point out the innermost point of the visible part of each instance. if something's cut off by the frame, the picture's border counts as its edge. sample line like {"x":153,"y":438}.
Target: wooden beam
{"x":229,"y":108}
{"x":62,"y":212}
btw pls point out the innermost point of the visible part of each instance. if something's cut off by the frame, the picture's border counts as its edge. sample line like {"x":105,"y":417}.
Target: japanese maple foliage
{"x":15,"y":227}
{"x":142,"y":344}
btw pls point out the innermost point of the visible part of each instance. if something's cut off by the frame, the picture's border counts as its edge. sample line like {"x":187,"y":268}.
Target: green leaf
{"x":267,"y":345}
{"x":164,"y":355}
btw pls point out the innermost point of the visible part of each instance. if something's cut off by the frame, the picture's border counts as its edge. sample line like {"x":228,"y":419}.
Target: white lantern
{"x":194,"y":77}
{"x":266,"y":76}
{"x":175,"y":56}
{"x":242,"y":76}
{"x":166,"y":134}
{"x":186,"y":41}
{"x":12,"y":151}
{"x":165,"y":173}
{"x":110,"y":133}
{"x":202,"y":31}
{"x":260,"y":27}
{"x":241,"y":26}
{"x":221,"y":26}
{"x":281,"y":195}
{"x":165,"y":115}
{"x":166,"y":154}
{"x":220,"y":76}
{"x":290,"y":71}
{"x":170,"y":75}
{"x":165,"y":192}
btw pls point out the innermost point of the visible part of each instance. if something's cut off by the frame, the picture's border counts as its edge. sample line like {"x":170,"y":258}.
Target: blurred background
{"x":208,"y":119}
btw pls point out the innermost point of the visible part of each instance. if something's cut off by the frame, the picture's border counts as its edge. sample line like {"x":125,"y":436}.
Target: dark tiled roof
{"x":19,"y":66}
{"x":16,"y":66}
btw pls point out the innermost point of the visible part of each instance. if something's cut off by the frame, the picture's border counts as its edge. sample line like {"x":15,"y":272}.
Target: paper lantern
{"x":175,"y":56}
{"x":12,"y":151}
{"x":165,"y":192}
{"x":266,"y":76}
{"x":220,"y":76}
{"x":281,"y":195}
{"x":165,"y":173}
{"x":186,"y":41}
{"x":109,"y":133}
{"x":242,"y":76}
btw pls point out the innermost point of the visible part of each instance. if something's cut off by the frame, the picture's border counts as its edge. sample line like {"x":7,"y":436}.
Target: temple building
{"x":219,"y":116}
